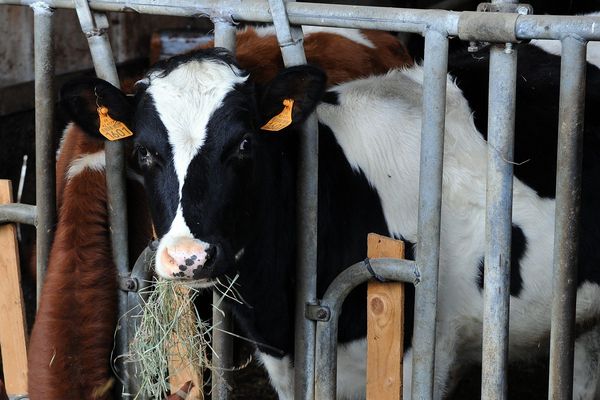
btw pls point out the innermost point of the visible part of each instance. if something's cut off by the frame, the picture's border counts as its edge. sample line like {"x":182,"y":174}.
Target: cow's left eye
{"x":143,"y":155}
{"x":245,"y":146}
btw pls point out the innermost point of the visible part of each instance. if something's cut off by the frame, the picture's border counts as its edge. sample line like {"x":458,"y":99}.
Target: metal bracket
{"x":317,"y":312}
{"x":508,"y":8}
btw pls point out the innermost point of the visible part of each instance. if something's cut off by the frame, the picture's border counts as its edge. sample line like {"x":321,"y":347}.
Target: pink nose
{"x":185,"y":258}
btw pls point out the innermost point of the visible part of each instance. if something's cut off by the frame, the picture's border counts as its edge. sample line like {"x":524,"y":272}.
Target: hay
{"x":169,"y":328}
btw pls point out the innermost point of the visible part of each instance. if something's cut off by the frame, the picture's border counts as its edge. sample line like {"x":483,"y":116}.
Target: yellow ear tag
{"x":110,"y":128}
{"x":281,"y":120}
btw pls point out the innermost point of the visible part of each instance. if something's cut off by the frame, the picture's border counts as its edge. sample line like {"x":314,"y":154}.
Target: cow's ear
{"x":290,"y":98}
{"x":81,"y":99}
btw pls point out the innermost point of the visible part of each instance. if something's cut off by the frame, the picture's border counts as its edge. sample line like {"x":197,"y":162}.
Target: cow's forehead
{"x":185,"y":99}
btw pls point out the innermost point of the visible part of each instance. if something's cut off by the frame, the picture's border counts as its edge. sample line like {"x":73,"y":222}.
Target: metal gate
{"x":503,"y":23}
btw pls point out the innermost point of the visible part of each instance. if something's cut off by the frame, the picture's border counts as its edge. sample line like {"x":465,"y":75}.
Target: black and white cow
{"x":223,"y":199}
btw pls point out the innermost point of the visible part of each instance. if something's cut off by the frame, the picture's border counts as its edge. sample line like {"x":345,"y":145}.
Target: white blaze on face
{"x":185,"y":99}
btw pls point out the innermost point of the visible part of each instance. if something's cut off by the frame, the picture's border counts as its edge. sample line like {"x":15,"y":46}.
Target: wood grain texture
{"x":180,"y":373}
{"x":385,"y":326}
{"x":13,"y":335}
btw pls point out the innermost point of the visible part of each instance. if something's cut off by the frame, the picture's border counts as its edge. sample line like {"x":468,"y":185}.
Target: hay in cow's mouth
{"x":170,"y":328}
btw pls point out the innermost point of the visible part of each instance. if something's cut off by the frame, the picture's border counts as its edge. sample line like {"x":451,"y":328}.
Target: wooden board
{"x":13,"y":335}
{"x":182,"y":373}
{"x":385,"y":326}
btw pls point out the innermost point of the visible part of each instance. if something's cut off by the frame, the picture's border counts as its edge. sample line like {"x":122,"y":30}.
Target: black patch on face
{"x":331,"y":97}
{"x":182,"y":267}
{"x":189,"y":262}
{"x":518,"y":247}
{"x":216,"y":192}
{"x":160,"y":178}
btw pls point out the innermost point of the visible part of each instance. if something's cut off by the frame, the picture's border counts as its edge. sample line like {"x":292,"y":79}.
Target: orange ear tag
{"x":281,"y":120}
{"x":110,"y":128}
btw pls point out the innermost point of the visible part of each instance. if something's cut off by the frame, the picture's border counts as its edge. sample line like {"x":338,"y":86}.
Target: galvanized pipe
{"x":430,"y":195}
{"x":19,"y":213}
{"x":567,"y":219}
{"x":336,"y":15}
{"x":290,"y":39}
{"x":498,"y":223}
{"x":138,"y":293}
{"x":225,"y":36}
{"x":95,"y":27}
{"x":326,"y":344}
{"x":45,"y":182}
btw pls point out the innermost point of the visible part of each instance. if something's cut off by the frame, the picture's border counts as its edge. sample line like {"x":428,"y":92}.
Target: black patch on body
{"x":536,"y":132}
{"x":517,"y":251}
{"x":331,"y":97}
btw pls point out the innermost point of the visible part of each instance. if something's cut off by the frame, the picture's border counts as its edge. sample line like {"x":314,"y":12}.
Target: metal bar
{"x":45,"y":182}
{"x":501,"y":124}
{"x":326,"y":344}
{"x":291,"y":40}
{"x":19,"y":213}
{"x":95,"y":27}
{"x":225,"y":36}
{"x":336,"y":15}
{"x":430,"y":194}
{"x":138,"y":283}
{"x":567,"y":220}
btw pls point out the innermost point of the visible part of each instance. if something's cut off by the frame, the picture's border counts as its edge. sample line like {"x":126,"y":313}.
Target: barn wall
{"x":129,"y":33}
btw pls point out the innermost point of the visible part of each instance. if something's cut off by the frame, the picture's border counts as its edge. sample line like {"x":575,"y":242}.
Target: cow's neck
{"x":266,"y":270}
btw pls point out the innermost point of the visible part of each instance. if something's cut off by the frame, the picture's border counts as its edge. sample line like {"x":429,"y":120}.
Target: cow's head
{"x":197,"y":122}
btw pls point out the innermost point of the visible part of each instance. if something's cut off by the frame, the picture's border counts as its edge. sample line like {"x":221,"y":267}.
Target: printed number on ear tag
{"x":110,"y":128}
{"x":281,"y":120}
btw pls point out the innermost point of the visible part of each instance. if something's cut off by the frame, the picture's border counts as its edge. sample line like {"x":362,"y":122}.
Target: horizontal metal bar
{"x":19,"y":213}
{"x":326,"y":346}
{"x":337,"y":15}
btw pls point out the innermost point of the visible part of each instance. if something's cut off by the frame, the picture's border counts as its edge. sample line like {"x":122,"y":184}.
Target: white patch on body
{"x":351,"y":366}
{"x":92,"y":161}
{"x":378,"y":125}
{"x":185,"y":100}
{"x":353,"y":34}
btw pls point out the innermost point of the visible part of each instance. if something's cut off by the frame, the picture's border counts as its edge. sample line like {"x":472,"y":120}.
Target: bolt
{"x":322,"y":313}
{"x":130,"y":284}
{"x":523,"y":10}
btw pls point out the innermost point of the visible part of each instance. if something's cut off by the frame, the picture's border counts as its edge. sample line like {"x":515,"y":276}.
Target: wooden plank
{"x":180,"y":373}
{"x":385,"y":326}
{"x":13,"y":335}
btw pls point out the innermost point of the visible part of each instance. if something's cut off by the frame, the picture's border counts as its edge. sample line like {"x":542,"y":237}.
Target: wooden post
{"x":385,"y":326}
{"x":13,"y":335}
{"x":179,"y":373}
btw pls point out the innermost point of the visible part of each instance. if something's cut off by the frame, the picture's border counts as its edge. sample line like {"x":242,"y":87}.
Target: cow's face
{"x":197,"y":121}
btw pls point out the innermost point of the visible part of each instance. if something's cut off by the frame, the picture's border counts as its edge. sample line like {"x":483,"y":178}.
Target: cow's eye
{"x":143,"y":155}
{"x":245,"y":146}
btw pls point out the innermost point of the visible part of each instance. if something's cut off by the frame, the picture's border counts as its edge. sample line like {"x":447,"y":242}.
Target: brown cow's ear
{"x":87,"y":100}
{"x":290,"y":98}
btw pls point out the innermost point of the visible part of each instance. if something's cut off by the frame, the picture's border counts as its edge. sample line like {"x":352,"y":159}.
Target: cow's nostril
{"x":210,"y":252}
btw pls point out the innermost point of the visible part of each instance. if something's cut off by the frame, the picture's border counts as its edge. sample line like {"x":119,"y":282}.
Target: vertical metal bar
{"x":566,"y":231}
{"x":45,"y":183}
{"x":501,"y":124}
{"x":290,"y":40}
{"x":95,"y":27}
{"x":430,"y":194}
{"x":225,"y":36}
